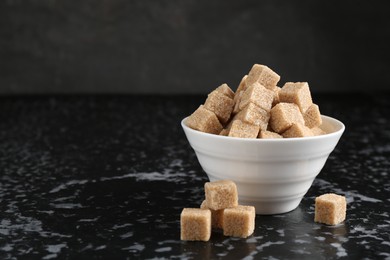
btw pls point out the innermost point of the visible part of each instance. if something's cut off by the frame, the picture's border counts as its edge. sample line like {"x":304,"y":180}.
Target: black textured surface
{"x":190,"y":46}
{"x":107,"y":177}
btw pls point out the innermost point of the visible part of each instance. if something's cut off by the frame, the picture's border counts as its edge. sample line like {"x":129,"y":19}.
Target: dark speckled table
{"x":107,"y":177}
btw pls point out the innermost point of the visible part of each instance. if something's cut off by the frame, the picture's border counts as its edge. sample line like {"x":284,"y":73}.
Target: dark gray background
{"x":118,"y":46}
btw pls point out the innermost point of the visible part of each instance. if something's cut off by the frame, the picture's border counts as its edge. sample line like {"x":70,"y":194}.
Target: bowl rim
{"x":338,"y":132}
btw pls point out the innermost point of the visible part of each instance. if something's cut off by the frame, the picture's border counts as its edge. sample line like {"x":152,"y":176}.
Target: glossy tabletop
{"x":107,"y":177}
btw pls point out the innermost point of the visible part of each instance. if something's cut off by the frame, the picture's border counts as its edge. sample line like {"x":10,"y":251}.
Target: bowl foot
{"x":273,"y":206}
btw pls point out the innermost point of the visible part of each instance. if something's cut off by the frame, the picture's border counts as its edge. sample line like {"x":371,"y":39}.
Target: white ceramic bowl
{"x":271,"y":174}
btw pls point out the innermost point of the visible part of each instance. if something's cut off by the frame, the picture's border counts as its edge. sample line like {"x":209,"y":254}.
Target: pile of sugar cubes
{"x":219,"y":210}
{"x":259,"y":109}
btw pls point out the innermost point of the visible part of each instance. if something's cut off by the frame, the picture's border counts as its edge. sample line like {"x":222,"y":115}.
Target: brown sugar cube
{"x":238,"y":94}
{"x":283,"y":115}
{"x":243,"y":130}
{"x":330,"y":209}
{"x":242,"y":86}
{"x":317,"y":131}
{"x":204,"y":120}
{"x":297,"y":130}
{"x":263,"y":75}
{"x":216,"y":215}
{"x":224,"y":132}
{"x":195,"y":224}
{"x":312,"y":116}
{"x":239,"y":221}
{"x":276,"y":99}
{"x":237,"y":101}
{"x":264,"y":134}
{"x":254,"y":115}
{"x":220,"y":104}
{"x":298,"y":93}
{"x":258,"y":95}
{"x":269,"y":128}
{"x":226,"y":90}
{"x":229,"y":125}
{"x":221,"y":194}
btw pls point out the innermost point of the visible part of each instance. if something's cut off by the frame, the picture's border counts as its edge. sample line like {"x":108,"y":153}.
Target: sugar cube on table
{"x":216,"y":215}
{"x":284,"y":115}
{"x":330,"y":209}
{"x":195,"y":224}
{"x":297,"y":93}
{"x":221,"y":194}
{"x":263,"y":75}
{"x":243,"y":130}
{"x":220,"y":104}
{"x":239,"y":221}
{"x":204,"y":120}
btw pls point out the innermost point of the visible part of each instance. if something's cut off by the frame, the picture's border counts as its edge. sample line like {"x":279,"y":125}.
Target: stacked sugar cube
{"x":259,"y":109}
{"x":219,"y":210}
